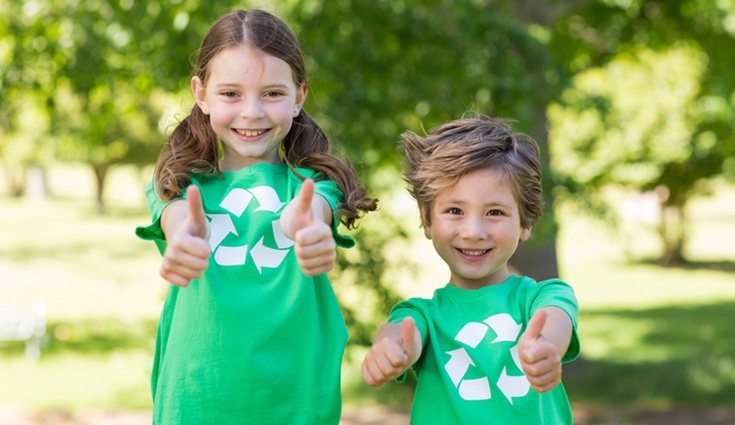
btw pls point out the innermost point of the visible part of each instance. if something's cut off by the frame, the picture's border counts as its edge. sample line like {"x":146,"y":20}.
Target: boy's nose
{"x":473,"y":228}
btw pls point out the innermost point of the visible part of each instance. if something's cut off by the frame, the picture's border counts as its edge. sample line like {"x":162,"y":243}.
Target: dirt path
{"x":382,"y":416}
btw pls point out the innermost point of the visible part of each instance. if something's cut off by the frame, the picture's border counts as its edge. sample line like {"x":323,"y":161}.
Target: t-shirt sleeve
{"x":153,"y":231}
{"x":556,"y":293}
{"x":328,"y":190}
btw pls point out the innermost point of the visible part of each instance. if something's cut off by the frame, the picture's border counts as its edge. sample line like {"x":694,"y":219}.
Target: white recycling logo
{"x":236,"y":202}
{"x":459,"y":361}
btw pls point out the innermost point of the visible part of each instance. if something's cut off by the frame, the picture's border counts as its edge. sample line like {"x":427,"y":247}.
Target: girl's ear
{"x":199,"y":92}
{"x":525,"y":234}
{"x":301,"y":93}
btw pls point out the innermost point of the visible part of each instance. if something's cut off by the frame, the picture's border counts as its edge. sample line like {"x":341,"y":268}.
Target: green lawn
{"x":652,"y":338}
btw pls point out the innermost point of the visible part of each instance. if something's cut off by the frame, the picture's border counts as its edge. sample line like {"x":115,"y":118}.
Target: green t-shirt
{"x":254,"y":340}
{"x":469,"y":371}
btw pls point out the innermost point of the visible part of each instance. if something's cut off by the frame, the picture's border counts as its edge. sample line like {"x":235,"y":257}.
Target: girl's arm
{"x":186,"y":229}
{"x":543,"y":345}
{"x":307,"y":221}
{"x":396,"y":347}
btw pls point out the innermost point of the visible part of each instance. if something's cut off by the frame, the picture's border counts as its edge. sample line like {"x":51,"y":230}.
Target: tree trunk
{"x":15,"y":176}
{"x":36,"y":185}
{"x":672,"y":230}
{"x":100,"y":176}
{"x":537,"y":256}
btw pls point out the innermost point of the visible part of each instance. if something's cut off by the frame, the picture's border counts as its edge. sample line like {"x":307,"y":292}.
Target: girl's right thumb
{"x":197,"y":218}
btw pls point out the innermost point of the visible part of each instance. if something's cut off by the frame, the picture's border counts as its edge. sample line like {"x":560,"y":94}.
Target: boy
{"x":488,"y":347}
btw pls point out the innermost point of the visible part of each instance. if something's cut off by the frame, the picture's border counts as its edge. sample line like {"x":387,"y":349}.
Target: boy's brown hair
{"x":454,"y":149}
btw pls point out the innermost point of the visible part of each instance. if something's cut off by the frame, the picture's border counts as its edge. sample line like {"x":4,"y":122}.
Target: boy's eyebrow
{"x":462,"y":202}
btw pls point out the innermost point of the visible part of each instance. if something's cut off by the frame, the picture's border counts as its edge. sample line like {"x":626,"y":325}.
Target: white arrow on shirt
{"x":471,"y":334}
{"x":266,"y":257}
{"x":236,"y":201}
{"x":459,"y":362}
{"x":220,"y":226}
{"x":267,"y":198}
{"x":504,"y":326}
{"x":475,"y":389}
{"x":281,"y":240}
{"x":513,"y":386}
{"x":231,"y":255}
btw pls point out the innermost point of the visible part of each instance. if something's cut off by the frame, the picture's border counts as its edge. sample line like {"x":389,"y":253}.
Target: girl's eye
{"x":273,"y":94}
{"x":229,"y":94}
{"x":495,"y":213}
{"x":454,"y":211}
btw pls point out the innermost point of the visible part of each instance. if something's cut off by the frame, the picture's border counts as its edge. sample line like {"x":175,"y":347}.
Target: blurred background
{"x":632,"y":102}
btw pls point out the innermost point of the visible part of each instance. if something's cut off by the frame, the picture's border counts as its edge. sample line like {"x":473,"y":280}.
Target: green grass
{"x":652,"y":337}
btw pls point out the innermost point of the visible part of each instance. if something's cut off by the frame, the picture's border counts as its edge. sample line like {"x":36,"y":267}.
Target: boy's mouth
{"x":473,"y":252}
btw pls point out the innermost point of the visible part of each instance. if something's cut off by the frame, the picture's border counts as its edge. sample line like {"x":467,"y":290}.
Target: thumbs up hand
{"x":540,"y":358}
{"x":187,"y":230}
{"x":316,"y":250}
{"x":397,"y":346}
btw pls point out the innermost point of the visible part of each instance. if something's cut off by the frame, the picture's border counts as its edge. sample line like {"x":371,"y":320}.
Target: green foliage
{"x":403,"y":64}
{"x":650,"y":106}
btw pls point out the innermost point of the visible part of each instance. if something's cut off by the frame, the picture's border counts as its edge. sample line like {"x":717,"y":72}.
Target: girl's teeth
{"x":250,"y":133}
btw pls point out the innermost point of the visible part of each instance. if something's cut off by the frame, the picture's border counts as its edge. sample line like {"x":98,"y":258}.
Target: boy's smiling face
{"x":476,"y":227}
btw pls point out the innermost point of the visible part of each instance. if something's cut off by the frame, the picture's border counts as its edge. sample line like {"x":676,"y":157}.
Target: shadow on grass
{"x":718,"y":266}
{"x":661,"y":357}
{"x":92,"y":336}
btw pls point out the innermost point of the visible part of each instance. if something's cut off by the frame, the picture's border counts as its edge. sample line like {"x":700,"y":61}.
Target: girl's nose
{"x":251,"y":108}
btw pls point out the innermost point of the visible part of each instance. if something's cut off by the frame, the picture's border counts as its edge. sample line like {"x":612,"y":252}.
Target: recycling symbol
{"x":471,"y":334}
{"x":236,"y":202}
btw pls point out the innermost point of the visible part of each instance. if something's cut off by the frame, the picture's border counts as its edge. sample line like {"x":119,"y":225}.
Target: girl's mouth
{"x":249,"y":133}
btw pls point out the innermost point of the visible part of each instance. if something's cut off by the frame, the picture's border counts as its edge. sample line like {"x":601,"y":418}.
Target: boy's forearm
{"x":558,"y":329}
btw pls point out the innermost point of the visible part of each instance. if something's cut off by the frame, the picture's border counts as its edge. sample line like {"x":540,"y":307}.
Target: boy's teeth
{"x":474,"y":252}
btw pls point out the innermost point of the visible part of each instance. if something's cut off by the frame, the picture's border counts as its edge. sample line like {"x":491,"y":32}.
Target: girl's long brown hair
{"x":192,"y":147}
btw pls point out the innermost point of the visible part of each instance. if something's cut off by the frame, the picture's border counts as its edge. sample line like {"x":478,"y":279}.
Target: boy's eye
{"x":273,"y":94}
{"x":454,"y":211}
{"x":494,"y":213}
{"x":229,"y":94}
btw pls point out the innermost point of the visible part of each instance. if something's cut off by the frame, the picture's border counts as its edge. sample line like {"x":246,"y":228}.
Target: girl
{"x":251,"y":332}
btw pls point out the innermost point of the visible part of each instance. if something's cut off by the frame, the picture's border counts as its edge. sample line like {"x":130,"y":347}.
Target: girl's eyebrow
{"x":266,"y":86}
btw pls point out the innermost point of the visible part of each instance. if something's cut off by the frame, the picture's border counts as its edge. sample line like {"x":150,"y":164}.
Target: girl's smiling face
{"x":251,"y":99}
{"x":475,"y":228}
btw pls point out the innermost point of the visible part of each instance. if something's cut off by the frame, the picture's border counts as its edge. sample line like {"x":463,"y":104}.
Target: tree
{"x":380,"y":68}
{"x":651,"y":107}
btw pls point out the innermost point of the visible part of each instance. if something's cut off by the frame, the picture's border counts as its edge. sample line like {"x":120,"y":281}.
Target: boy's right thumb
{"x":408,"y":334}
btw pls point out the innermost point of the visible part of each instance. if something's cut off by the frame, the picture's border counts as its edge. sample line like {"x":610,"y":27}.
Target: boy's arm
{"x":543,"y":345}
{"x":306,"y":220}
{"x":396,"y":347}
{"x":186,"y":229}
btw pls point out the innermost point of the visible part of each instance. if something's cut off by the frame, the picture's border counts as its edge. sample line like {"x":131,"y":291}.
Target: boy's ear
{"x":427,"y":231}
{"x":198,"y":90}
{"x":525,"y":234}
